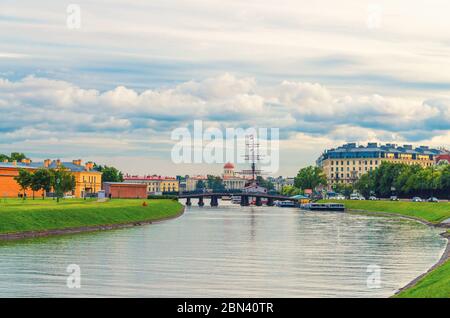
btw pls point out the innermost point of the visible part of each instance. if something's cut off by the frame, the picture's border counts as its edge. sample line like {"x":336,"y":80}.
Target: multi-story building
{"x":280,"y":182}
{"x":155,"y":184}
{"x":347,"y":163}
{"x":443,"y":159}
{"x":191,"y":182}
{"x":232,"y":180}
{"x":87,"y":179}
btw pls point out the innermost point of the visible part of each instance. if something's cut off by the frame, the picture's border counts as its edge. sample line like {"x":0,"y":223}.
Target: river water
{"x":228,"y":251}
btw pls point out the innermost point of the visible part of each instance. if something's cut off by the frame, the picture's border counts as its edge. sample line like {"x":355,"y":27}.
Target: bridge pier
{"x":188,"y":202}
{"x":201,"y":202}
{"x":258,"y":201}
{"x":214,"y":201}
{"x":244,"y":200}
{"x":270,"y":202}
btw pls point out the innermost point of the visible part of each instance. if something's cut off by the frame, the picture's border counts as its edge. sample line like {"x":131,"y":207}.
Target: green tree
{"x":62,"y":182}
{"x":24,"y":180}
{"x":41,"y":180}
{"x":110,"y":174}
{"x":310,"y":177}
{"x":200,"y":185}
{"x":215,"y":183}
{"x":4,"y":157}
{"x":445,"y":178}
{"x":265,"y":183}
{"x":17,"y":156}
{"x":289,"y":190}
{"x":345,"y":189}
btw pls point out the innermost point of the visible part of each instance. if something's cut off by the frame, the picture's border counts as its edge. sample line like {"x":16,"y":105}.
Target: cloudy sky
{"x":322,"y":72}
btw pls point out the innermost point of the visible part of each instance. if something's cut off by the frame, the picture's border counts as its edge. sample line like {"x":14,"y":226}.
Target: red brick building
{"x":125,"y":190}
{"x":443,"y":158}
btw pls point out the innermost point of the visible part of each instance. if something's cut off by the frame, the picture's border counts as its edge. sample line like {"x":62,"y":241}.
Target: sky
{"x":113,"y":85}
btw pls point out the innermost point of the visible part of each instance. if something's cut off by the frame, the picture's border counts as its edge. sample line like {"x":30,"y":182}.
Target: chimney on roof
{"x":5,"y":160}
{"x":77,"y":162}
{"x":89,"y":165}
{"x":47,"y":163}
{"x":25,"y":161}
{"x":14,"y":163}
{"x":58,"y":162}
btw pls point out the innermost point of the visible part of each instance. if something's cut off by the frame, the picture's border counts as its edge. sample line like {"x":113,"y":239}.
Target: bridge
{"x":245,"y":197}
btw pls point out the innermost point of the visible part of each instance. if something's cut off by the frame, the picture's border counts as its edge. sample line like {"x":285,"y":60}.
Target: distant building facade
{"x":125,"y":190}
{"x":232,"y":180}
{"x":280,"y":182}
{"x":87,"y":179}
{"x":347,"y":163}
{"x":443,"y":159}
{"x":155,"y":184}
{"x":192,"y":181}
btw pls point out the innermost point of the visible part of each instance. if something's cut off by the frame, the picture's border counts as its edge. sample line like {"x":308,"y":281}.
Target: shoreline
{"x":85,"y":229}
{"x":444,"y":257}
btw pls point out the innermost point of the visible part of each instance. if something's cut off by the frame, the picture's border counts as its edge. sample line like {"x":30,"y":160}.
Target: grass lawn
{"x":436,"y":284}
{"x":431,"y":212}
{"x":39,"y":215}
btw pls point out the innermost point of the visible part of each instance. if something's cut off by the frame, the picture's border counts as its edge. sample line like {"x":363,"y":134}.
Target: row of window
{"x":349,"y":175}
{"x":353,"y":169}
{"x":91,"y":179}
{"x":371,"y":162}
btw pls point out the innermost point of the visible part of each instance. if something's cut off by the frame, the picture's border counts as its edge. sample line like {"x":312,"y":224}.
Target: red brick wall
{"x":126,"y":191}
{"x":9,"y":186}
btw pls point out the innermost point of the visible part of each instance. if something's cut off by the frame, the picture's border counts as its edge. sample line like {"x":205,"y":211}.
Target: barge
{"x":323,"y":206}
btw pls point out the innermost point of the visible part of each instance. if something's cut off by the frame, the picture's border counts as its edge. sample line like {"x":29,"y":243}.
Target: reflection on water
{"x":228,"y":251}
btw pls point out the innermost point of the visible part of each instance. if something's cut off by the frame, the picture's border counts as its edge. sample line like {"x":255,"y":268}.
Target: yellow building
{"x":87,"y":180}
{"x":156,"y":184}
{"x":346,"y":164}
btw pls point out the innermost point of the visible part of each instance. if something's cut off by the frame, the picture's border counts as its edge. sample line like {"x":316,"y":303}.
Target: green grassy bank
{"x":430,"y":212}
{"x":18,"y":216}
{"x":435,"y":284}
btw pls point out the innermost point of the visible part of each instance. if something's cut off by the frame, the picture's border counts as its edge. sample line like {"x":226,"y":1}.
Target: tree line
{"x":59,"y":180}
{"x":15,"y":156}
{"x":406,"y":181}
{"x":307,"y":178}
{"x":387,"y":179}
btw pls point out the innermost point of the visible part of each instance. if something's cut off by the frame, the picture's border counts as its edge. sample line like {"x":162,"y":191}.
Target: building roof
{"x":228,"y":165}
{"x":126,"y":183}
{"x":149,"y":178}
{"x":53,"y":165}
{"x":351,"y":149}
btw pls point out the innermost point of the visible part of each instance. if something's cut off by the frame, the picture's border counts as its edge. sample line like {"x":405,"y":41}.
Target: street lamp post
{"x":58,"y":181}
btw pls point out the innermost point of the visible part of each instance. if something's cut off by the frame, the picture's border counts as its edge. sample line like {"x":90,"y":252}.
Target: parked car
{"x":394,"y":198}
{"x":416,"y":199}
{"x":339,"y":197}
{"x":433,"y":199}
{"x":356,"y":196}
{"x":373,"y":198}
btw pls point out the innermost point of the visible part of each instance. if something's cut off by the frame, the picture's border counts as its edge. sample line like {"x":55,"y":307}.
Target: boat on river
{"x":323,"y":206}
{"x":285,"y":204}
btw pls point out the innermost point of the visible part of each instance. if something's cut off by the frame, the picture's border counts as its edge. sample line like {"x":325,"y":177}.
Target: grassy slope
{"x":436,"y":284}
{"x":431,"y":212}
{"x":38,"y":215}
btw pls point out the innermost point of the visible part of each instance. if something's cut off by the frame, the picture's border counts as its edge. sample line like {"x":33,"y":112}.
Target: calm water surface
{"x":227,"y":251}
